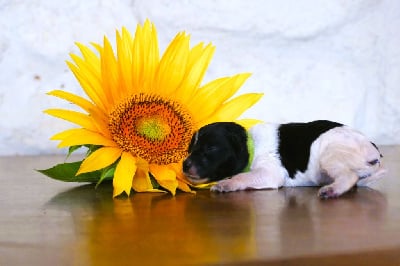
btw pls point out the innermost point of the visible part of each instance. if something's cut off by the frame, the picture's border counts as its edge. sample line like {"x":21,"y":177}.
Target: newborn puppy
{"x":319,"y":153}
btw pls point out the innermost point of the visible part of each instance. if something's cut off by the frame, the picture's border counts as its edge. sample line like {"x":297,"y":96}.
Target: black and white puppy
{"x":319,"y":153}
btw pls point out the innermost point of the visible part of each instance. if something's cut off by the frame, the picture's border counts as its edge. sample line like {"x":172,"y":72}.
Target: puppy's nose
{"x":186,"y":165}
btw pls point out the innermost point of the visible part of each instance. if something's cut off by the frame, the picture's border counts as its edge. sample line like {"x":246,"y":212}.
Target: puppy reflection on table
{"x":319,"y":153}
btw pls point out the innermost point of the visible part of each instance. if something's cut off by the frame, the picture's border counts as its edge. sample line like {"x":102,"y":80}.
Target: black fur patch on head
{"x":295,"y":140}
{"x":217,"y":151}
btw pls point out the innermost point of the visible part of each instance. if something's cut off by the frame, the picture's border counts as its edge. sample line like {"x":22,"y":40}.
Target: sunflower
{"x":142,"y":109}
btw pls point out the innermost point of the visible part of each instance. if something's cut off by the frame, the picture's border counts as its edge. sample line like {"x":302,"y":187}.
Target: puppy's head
{"x":216,"y":151}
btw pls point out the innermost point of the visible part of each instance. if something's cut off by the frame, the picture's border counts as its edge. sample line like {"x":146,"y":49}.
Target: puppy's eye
{"x":212,"y":149}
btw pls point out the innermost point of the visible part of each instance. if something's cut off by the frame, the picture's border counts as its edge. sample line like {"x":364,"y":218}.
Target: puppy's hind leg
{"x":343,"y":182}
{"x":339,"y":163}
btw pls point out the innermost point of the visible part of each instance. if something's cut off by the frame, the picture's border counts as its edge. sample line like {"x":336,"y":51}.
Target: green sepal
{"x":67,"y":172}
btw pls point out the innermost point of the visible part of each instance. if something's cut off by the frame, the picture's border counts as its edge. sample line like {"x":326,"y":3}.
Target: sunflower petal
{"x":75,"y":99}
{"x":141,"y":181}
{"x":64,"y":134}
{"x":83,"y":136}
{"x":124,"y":44}
{"x":99,"y":119}
{"x":73,"y":117}
{"x":145,"y":58}
{"x":234,"y":108}
{"x":197,"y":66}
{"x":91,"y":58}
{"x":137,"y":60}
{"x":165,"y":177}
{"x":209,"y":98}
{"x":172,"y":67}
{"x":124,"y":173}
{"x":89,"y":84}
{"x":109,"y":75}
{"x":151,"y":54}
{"x":184,"y":187}
{"x":99,"y":159}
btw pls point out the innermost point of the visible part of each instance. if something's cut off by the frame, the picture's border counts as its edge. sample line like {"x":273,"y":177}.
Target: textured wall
{"x":333,"y":59}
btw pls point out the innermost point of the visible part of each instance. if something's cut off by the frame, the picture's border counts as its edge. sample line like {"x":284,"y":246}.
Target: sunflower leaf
{"x":91,"y":149}
{"x":106,"y":173}
{"x":72,"y":149}
{"x":154,"y":182}
{"x":66,"y":172}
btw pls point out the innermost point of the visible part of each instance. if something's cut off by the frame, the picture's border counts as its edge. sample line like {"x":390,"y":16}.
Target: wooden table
{"x":47,"y":222}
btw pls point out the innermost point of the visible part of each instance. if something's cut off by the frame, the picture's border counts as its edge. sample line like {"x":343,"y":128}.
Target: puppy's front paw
{"x":328,"y":192}
{"x":225,"y":186}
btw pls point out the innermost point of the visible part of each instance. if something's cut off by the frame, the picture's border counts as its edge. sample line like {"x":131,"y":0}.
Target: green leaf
{"x":71,"y":149}
{"x":66,"y":172}
{"x":154,"y":182}
{"x":107,"y":173}
{"x":91,"y":149}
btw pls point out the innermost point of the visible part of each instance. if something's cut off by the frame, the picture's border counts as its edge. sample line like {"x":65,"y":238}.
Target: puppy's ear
{"x":240,"y":156}
{"x":238,"y":138}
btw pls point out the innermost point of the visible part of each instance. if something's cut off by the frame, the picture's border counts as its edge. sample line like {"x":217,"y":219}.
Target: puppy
{"x":269,"y":156}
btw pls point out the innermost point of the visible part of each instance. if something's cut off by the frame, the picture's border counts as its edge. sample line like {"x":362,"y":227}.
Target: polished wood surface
{"x":47,"y":222}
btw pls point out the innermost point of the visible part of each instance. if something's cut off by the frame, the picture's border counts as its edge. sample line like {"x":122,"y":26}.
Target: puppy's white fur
{"x":338,"y":161}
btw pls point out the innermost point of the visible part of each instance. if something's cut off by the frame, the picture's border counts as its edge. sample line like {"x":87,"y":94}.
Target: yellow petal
{"x":89,"y":83}
{"x":64,"y":134}
{"x":184,"y":187}
{"x":141,"y":181}
{"x":99,"y":118}
{"x":91,"y":58}
{"x":145,"y":58}
{"x":205,"y":186}
{"x":172,"y":67}
{"x":99,"y":159}
{"x":165,"y":177}
{"x":124,"y":53}
{"x":231,"y":110}
{"x":214,"y":94}
{"x":151,"y":56}
{"x":83,"y":136}
{"x":78,"y":118}
{"x":109,"y":74}
{"x":75,"y":99}
{"x":162,"y":172}
{"x":124,"y":173}
{"x":137,"y":59}
{"x":197,"y":65}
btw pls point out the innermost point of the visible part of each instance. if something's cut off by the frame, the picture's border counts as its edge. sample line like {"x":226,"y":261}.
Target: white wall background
{"x":314,"y":59}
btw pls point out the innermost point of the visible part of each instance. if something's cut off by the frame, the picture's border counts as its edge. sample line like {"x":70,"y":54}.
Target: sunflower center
{"x":152,"y":128}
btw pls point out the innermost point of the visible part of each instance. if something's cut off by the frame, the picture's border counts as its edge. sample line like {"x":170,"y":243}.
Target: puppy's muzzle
{"x":190,"y":171}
